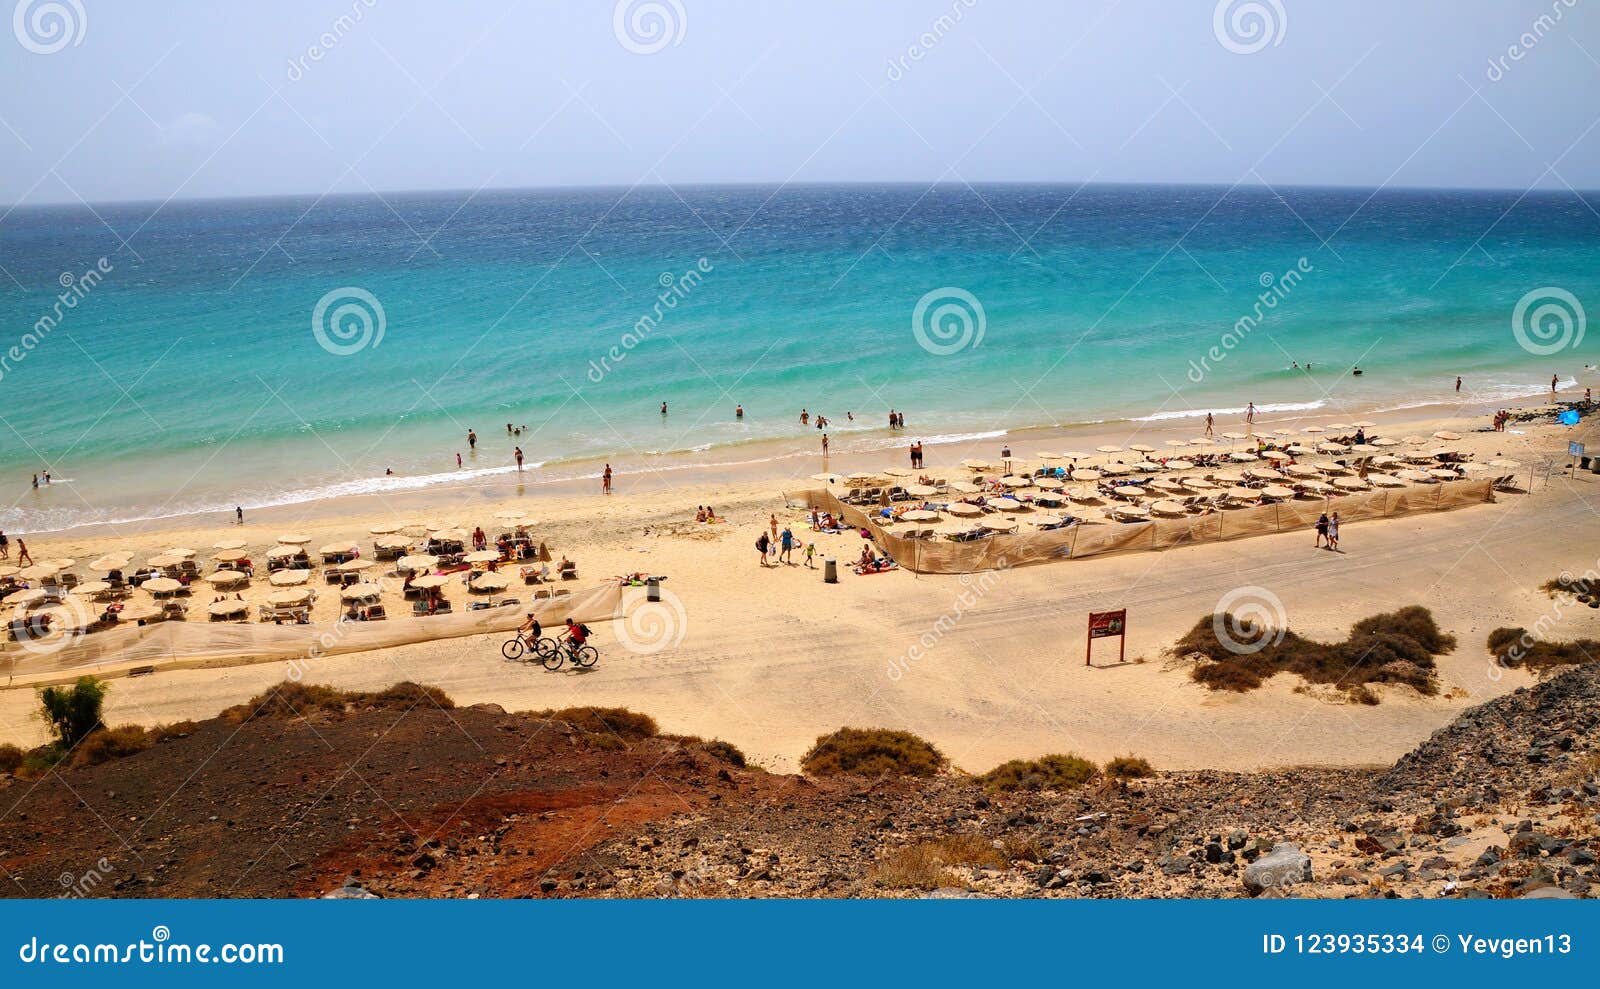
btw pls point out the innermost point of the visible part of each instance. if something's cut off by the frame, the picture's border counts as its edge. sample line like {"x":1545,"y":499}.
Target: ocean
{"x":166,"y":359}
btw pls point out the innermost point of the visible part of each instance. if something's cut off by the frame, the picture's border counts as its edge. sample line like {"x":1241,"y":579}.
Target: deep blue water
{"x":190,"y":377}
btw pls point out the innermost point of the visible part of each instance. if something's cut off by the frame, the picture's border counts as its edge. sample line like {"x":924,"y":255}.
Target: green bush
{"x":1127,"y":767}
{"x":73,"y":712}
{"x":1051,"y":772}
{"x":872,"y":752}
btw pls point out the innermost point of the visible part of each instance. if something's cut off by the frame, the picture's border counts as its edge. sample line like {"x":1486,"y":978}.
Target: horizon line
{"x":841,"y":183}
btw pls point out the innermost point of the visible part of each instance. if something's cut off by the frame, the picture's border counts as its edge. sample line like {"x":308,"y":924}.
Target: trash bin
{"x":652,"y":590}
{"x":830,"y":571}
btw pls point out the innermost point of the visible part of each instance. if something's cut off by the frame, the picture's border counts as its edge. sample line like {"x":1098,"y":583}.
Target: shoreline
{"x":670,"y":470}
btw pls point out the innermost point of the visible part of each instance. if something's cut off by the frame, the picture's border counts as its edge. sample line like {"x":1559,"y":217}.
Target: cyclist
{"x":577,"y":634}
{"x":532,"y":627}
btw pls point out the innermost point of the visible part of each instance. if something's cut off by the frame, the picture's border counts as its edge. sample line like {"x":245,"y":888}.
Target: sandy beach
{"x":771,"y":658}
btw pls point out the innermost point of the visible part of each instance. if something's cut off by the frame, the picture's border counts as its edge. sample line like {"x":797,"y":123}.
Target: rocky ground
{"x":469,"y":802}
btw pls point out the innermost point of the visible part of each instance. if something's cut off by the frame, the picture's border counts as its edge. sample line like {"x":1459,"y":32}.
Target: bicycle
{"x":516,"y":648}
{"x":581,"y":656}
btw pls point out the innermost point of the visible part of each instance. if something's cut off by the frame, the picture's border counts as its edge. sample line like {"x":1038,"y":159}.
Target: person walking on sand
{"x":1333,"y":532}
{"x":1210,"y":422}
{"x":1322,"y":530}
{"x":517,"y":452}
{"x":1250,"y":414}
{"x":762,"y":545}
{"x":472,"y":440}
{"x":811,"y":555}
{"x":24,"y":558}
{"x":824,"y":444}
{"x":238,"y":514}
{"x":5,"y":546}
{"x":605,"y":480}
{"x":786,"y":547}
{"x":1554,"y":380}
{"x":772,"y":526}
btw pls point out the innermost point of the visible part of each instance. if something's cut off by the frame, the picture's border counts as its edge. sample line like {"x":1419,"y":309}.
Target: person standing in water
{"x":824,"y":444}
{"x":663,"y":408}
{"x":517,"y":452}
{"x":605,"y":481}
{"x":472,"y":440}
{"x":1458,"y":384}
{"x":1554,"y":380}
{"x":738,"y":412}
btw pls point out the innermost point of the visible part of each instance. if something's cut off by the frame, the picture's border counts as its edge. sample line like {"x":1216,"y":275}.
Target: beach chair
{"x":376,"y":613}
{"x":543,"y":594}
{"x":569,"y":571}
{"x":174,"y":611}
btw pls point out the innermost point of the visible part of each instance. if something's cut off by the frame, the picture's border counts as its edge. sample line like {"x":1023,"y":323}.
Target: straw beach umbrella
{"x":353,"y":566}
{"x":162,"y":585}
{"x":366,"y":591}
{"x":110,"y":562}
{"x":417,"y":561}
{"x":289,"y":578}
{"x":962,"y":509}
{"x":226,"y":609}
{"x":481,"y":556}
{"x":289,"y":598}
{"x":228,"y":544}
{"x":431,"y":580}
{"x":294,"y":539}
{"x":1445,"y":434}
{"x":920,"y":515}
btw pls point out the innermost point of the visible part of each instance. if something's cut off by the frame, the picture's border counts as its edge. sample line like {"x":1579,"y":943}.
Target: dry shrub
{"x":1051,"y":772}
{"x":926,"y":865}
{"x":872,"y":752}
{"x":11,"y":758}
{"x":618,"y":724}
{"x":1398,"y":647}
{"x":724,"y":751}
{"x":291,"y":699}
{"x":1128,"y":767}
{"x":111,"y":743}
{"x":1516,"y":648}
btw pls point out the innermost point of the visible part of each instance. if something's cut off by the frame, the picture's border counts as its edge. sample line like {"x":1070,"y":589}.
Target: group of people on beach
{"x":1328,"y":531}
{"x":780,"y":546}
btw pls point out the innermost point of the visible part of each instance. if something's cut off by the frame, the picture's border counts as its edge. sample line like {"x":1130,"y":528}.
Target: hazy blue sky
{"x":195,"y":99}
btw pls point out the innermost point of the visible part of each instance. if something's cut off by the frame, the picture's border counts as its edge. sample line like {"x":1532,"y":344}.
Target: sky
{"x":112,"y":101}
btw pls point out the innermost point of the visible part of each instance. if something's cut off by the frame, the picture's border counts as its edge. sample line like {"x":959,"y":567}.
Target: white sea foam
{"x":1239,"y":410}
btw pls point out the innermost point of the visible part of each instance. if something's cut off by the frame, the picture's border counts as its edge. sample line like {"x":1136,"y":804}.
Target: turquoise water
{"x":186,"y":374}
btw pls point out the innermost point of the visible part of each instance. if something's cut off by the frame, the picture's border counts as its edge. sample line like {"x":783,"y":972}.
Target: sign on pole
{"x":1104,"y":624}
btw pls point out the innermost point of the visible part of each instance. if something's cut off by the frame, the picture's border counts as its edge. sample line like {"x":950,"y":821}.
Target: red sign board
{"x":1104,"y":624}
